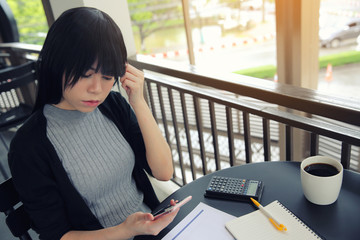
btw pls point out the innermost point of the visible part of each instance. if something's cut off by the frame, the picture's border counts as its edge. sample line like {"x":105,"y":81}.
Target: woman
{"x":78,"y":162}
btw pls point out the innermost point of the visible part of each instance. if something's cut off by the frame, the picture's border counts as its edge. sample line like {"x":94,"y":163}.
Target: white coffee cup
{"x":321,"y":190}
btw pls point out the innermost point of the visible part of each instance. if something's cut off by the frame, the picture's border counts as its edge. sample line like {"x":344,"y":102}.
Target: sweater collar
{"x":66,"y":115}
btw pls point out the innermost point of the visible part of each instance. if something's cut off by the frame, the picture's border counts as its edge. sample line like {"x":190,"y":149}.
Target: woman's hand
{"x":133,"y":83}
{"x":144,"y":223}
{"x":136,"y":224}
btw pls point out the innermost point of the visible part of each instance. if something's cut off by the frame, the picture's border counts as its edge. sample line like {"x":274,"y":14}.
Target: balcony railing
{"x":213,"y":122}
{"x":216,"y":121}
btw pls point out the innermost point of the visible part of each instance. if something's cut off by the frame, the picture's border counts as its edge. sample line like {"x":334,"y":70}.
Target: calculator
{"x":236,"y":189}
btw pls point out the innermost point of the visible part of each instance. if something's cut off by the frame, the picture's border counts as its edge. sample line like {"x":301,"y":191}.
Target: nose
{"x":95,"y":84}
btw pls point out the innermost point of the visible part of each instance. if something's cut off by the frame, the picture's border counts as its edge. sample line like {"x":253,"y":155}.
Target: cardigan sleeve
{"x":33,"y":179}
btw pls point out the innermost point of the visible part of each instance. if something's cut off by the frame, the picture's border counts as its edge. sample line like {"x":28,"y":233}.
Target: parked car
{"x":335,"y":31}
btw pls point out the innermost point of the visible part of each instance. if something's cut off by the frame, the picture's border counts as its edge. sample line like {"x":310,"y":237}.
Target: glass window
{"x":339,"y":28}
{"x":31,"y":20}
{"x":228,"y":35}
{"x":239,"y":36}
{"x":158,"y":27}
{"x":234,"y":36}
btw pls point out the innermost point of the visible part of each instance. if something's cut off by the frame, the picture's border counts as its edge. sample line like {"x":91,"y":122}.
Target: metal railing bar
{"x":214,"y":135}
{"x":151,"y":99}
{"x":230,"y":135}
{"x":200,"y":133}
{"x":178,"y":181}
{"x":246,"y":124}
{"x":163,"y":113}
{"x":176,"y":130}
{"x":266,"y":139}
{"x":345,"y":155}
{"x":145,"y":92}
{"x":288,"y":142}
{"x":181,"y":161}
{"x":188,"y":136}
{"x":314,"y":144}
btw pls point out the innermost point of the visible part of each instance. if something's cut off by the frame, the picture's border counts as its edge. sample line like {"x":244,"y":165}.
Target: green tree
{"x":148,"y":16}
{"x":31,"y":20}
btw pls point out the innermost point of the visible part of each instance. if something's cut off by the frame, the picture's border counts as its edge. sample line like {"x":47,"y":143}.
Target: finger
{"x":167,"y":218}
{"x":128,"y":77}
{"x":170,"y":217}
{"x":127,"y":84}
{"x":173,"y":202}
{"x":122,"y":79}
{"x":148,"y":217}
{"x":134,"y":71}
{"x":135,"y":77}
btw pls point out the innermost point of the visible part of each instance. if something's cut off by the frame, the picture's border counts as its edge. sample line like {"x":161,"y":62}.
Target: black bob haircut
{"x":78,"y":38}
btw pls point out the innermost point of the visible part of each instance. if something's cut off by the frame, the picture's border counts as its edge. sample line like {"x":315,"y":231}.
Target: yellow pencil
{"x":278,"y":226}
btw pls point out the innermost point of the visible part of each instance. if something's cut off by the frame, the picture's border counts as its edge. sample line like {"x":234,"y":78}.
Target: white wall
{"x":118,"y":10}
{"x":60,"y":6}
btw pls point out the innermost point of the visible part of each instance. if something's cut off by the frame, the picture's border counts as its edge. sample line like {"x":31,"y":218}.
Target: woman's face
{"x":88,"y":93}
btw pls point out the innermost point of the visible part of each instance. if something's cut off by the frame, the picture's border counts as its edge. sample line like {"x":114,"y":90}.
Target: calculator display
{"x":252,"y":188}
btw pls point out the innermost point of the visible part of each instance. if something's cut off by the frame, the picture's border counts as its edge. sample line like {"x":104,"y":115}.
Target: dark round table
{"x":340,"y":220}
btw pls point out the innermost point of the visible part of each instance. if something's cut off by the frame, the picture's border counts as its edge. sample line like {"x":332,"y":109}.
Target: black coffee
{"x":321,"y":169}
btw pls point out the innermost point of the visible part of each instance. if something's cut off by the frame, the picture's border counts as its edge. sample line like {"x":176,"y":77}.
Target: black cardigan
{"x":54,"y":205}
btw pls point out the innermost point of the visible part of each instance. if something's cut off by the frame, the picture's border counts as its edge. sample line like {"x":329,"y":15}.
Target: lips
{"x":91,"y":103}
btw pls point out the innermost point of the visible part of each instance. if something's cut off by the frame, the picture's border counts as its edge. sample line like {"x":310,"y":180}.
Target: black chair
{"x":17,"y":219}
{"x":17,"y":97}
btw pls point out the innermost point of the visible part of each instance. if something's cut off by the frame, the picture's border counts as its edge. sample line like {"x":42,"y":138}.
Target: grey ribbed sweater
{"x":98,"y":161}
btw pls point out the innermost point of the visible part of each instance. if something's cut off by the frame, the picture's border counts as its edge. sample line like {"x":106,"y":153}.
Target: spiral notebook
{"x":256,"y":225}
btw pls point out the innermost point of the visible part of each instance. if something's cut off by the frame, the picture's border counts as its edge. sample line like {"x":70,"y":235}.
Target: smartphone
{"x":170,"y":208}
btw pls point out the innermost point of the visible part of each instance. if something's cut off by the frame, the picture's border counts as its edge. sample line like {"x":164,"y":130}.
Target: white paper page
{"x":256,"y":225}
{"x":203,"y":222}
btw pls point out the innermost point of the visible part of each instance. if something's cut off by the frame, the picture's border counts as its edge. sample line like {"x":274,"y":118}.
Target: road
{"x":251,"y":55}
{"x":345,"y":82}
{"x":231,"y":58}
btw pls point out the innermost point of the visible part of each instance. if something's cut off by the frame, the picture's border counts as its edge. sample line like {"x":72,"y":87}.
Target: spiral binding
{"x":299,"y":220}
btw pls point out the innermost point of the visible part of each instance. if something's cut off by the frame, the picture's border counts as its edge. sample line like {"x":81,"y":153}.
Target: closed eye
{"x":86,"y":75}
{"x":108,"y":77}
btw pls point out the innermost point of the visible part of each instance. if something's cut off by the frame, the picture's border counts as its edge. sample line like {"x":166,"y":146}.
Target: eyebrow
{"x":94,"y":69}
